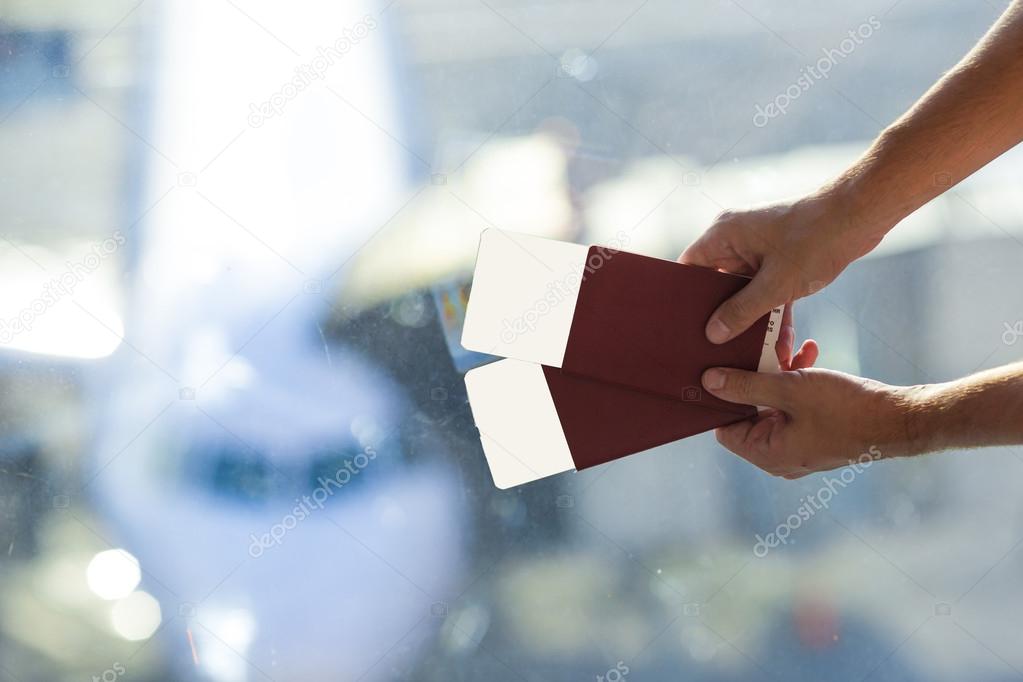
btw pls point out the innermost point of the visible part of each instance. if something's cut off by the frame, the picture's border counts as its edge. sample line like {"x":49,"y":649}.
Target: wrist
{"x":860,"y":217}
{"x":915,"y":420}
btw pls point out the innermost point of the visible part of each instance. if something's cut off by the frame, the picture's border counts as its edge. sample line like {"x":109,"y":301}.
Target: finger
{"x":783,"y":347}
{"x":696,"y":254}
{"x":807,"y":355}
{"x":733,"y":438}
{"x":751,"y":439}
{"x":734,"y":435}
{"x":786,"y":339}
{"x":750,"y":388}
{"x":709,"y":254}
{"x":764,"y":293}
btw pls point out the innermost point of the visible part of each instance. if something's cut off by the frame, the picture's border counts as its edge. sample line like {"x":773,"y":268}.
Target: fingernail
{"x":713,"y":379}
{"x":718,"y":331}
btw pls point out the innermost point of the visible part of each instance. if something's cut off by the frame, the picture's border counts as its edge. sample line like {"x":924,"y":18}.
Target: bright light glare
{"x":113,"y":574}
{"x":54,"y":305}
{"x":136,"y":617}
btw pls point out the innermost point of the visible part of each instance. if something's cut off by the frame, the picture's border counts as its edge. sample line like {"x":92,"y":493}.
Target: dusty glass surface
{"x":235,"y":438}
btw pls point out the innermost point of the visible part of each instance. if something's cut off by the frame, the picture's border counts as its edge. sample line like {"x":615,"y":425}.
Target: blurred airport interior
{"x":236,"y":444}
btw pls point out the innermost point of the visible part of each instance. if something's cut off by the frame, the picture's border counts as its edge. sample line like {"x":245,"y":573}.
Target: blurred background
{"x":236,"y":241}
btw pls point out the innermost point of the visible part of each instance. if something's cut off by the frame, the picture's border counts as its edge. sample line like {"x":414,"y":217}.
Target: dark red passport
{"x":639,"y":322}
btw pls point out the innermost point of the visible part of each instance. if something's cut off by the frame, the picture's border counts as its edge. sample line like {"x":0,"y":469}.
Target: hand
{"x":821,"y":420}
{"x":791,"y":249}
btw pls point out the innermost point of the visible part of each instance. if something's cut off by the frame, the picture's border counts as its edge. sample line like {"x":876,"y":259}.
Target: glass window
{"x":236,"y":245}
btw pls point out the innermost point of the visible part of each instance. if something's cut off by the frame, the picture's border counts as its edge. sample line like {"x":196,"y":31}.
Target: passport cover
{"x":603,"y":421}
{"x":639,"y":322}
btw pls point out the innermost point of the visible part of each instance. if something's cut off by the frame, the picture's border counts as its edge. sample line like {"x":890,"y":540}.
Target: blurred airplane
{"x":282,"y":513}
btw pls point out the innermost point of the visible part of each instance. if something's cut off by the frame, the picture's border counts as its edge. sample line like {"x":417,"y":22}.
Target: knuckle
{"x":729,"y":442}
{"x":796,"y":380}
{"x":731,"y":220}
{"x":782,"y":280}
{"x":739,"y":384}
{"x":726,"y":216}
{"x":738,"y":308}
{"x":787,"y":384}
{"x":724,"y":439}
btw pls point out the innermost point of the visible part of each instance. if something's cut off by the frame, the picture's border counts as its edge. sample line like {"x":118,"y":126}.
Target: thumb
{"x":749,"y":388}
{"x":763,"y":293}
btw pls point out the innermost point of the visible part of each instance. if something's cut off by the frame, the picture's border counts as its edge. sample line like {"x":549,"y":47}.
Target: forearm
{"x":979,"y":410}
{"x":971,"y":116}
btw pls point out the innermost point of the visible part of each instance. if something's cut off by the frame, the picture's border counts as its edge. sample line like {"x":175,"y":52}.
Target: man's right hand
{"x":791,"y":250}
